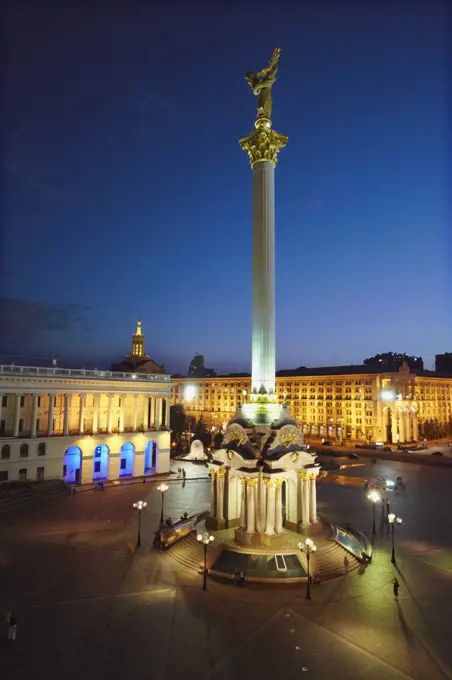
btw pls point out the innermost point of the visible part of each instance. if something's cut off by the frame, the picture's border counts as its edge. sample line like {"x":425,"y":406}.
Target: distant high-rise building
{"x":443,"y":363}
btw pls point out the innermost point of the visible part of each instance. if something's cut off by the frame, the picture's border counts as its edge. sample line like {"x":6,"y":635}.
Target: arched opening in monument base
{"x":72,"y":465}
{"x":126,"y":460}
{"x":100,"y":467}
{"x":150,"y":456}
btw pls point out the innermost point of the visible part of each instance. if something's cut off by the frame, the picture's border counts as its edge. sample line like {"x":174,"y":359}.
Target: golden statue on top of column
{"x":262,"y":82}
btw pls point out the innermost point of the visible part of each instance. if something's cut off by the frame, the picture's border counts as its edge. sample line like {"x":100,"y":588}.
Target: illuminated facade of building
{"x":354,"y":403}
{"x":82,"y":425}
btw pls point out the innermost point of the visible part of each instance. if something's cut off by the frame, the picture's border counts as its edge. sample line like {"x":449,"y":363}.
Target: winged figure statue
{"x":262,"y":82}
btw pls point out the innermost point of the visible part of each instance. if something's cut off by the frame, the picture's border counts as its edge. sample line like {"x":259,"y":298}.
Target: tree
{"x":394,"y":359}
{"x":202,"y":433}
{"x":177,"y":419}
{"x":197,"y":368}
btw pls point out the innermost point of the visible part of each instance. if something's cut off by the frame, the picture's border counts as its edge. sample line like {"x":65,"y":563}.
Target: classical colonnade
{"x":403,"y":422}
{"x":260,"y":501}
{"x":152,"y":413}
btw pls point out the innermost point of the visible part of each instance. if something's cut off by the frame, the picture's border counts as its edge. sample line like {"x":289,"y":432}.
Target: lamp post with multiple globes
{"x":373,"y":496}
{"x":308,"y":547}
{"x":393,"y":520}
{"x":139,"y":507}
{"x":162,"y":488}
{"x":206,"y":539}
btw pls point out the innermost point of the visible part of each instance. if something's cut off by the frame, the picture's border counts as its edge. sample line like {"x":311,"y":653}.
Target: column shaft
{"x":16,"y":415}
{"x":153,"y":411}
{"x":409,"y":434}
{"x":50,"y":415}
{"x":271,"y":508}
{"x":263,"y":293}
{"x":313,"y":499}
{"x":67,"y":403}
{"x":393,"y":426}
{"x":96,"y":414}
{"x":262,"y":506}
{"x":135,"y":413}
{"x":34,"y":416}
{"x":251,"y":507}
{"x":306,"y":503}
{"x":213,"y":495}
{"x":415,"y":435}
{"x":402,"y":416}
{"x":220,"y":497}
{"x":121,"y":413}
{"x":243,"y":503}
{"x":146,"y":412}
{"x":81,"y":415}
{"x":278,"y":504}
{"x":109,"y":413}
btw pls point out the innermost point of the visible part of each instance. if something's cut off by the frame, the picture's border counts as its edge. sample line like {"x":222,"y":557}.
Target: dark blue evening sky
{"x":127,"y":194}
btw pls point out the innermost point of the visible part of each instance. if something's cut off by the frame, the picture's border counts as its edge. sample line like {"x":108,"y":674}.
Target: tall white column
{"x":96,"y":414}
{"x":153,"y":400}
{"x":220,"y":495}
{"x":81,"y":415}
{"x":135,"y":413}
{"x":50,"y":415}
{"x":67,"y":404}
{"x":409,"y":429}
{"x":110,"y":413}
{"x":278,"y":504}
{"x":243,"y":503}
{"x":213,"y":495}
{"x":263,"y":315}
{"x":146,"y":413}
{"x":16,"y":414}
{"x":306,"y":503}
{"x":1,"y":404}
{"x":121,"y":413}
{"x":271,"y":507}
{"x":313,"y":500}
{"x":158,"y":413}
{"x":251,"y":506}
{"x":34,"y":416}
{"x":415,"y":433}
{"x":167,"y":412}
{"x":262,"y":505}
{"x":394,"y":426}
{"x":402,"y":415}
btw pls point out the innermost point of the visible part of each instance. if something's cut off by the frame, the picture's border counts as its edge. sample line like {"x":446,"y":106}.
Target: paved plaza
{"x":87,"y":603}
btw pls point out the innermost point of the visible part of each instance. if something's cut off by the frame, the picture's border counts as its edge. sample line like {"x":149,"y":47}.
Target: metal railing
{"x":57,"y":372}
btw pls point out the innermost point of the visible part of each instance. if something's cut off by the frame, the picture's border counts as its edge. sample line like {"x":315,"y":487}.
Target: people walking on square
{"x":184,"y":475}
{"x":12,"y":626}
{"x":346,"y":564}
{"x":395,"y":587}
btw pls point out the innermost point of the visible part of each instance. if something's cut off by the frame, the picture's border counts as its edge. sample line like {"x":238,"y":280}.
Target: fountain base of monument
{"x":257,"y":540}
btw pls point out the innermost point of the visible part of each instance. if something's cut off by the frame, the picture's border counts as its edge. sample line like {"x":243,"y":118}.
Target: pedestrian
{"x":12,"y":626}
{"x":184,"y":474}
{"x":395,"y":587}
{"x":346,"y":564}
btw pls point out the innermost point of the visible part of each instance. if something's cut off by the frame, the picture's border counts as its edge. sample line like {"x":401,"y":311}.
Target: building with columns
{"x":354,"y":403}
{"x":82,"y":425}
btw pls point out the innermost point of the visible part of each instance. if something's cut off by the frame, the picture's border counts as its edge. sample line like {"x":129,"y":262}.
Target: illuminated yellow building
{"x":357,"y":403}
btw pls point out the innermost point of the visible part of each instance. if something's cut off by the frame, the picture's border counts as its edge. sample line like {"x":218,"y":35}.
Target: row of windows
{"x":24,"y":448}
{"x":23,"y":475}
{"x":6,"y":397}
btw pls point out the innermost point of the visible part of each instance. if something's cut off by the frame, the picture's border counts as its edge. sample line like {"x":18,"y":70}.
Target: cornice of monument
{"x":263,"y":144}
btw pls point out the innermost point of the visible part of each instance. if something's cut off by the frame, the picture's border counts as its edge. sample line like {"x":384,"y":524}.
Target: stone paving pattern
{"x":87,"y":604}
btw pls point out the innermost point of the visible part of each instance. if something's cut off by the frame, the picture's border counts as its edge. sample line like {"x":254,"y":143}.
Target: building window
{"x":21,"y":425}
{"x":2,"y":427}
{"x":97,"y":466}
{"x":123,"y":463}
{"x":22,"y":402}
{"x":3,"y":475}
{"x":41,"y":449}
{"x":39,"y":402}
{"x":23,"y":473}
{"x":4,"y":402}
{"x":24,"y":450}
{"x":6,"y":449}
{"x":40,"y":474}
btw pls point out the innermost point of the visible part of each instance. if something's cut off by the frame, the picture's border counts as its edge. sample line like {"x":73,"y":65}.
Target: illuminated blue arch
{"x":126,"y":460}
{"x":151,"y":452}
{"x":100,"y":463}
{"x":72,"y":465}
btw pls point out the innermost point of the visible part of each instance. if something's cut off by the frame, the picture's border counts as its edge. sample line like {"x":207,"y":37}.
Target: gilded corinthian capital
{"x":263,"y":144}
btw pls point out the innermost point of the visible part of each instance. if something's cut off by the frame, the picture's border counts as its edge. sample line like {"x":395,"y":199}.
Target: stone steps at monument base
{"x":188,"y":553}
{"x":330,"y":562}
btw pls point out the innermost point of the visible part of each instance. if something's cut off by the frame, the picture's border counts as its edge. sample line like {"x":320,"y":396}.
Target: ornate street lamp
{"x":308,"y":547}
{"x":139,"y":507}
{"x":162,"y":488}
{"x":373,"y":496}
{"x":205,"y":539}
{"x":393,"y":520}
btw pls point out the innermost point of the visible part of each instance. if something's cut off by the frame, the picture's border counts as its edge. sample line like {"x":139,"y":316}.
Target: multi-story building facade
{"x":82,"y":425}
{"x":358,"y":403}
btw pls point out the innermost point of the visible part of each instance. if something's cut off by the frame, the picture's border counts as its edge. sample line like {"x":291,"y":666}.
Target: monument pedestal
{"x":274,"y":541}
